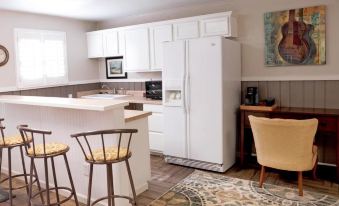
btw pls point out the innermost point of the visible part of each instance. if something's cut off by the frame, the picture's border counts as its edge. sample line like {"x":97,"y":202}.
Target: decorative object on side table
{"x":295,"y":37}
{"x":252,"y":96}
{"x":4,"y":55}
{"x":115,"y":68}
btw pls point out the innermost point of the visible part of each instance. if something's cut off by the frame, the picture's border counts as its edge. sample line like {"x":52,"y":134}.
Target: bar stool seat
{"x":13,"y":141}
{"x":52,"y":149}
{"x":109,"y":154}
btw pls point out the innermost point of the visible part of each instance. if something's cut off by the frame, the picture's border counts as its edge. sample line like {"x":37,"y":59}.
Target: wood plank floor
{"x":165,"y":176}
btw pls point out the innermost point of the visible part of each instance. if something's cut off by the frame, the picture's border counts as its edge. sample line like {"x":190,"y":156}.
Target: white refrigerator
{"x":201,"y":95}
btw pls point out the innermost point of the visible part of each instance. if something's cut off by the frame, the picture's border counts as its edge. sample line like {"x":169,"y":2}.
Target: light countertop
{"x":68,"y":103}
{"x":134,"y":96}
{"x":141,"y":100}
{"x":131,"y":115}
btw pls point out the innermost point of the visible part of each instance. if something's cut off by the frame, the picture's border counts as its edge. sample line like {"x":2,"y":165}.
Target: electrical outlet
{"x":70,"y":95}
{"x":85,"y":168}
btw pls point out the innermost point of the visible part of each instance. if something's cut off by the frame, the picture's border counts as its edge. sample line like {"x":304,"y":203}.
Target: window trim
{"x":46,"y":81}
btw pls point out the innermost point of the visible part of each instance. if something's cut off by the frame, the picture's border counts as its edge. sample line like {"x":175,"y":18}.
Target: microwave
{"x":153,"y":89}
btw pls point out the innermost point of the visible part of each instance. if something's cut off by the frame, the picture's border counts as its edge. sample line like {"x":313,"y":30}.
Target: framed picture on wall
{"x":115,"y":68}
{"x":295,"y":37}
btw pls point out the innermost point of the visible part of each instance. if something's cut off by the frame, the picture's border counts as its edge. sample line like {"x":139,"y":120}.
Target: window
{"x":41,"y":58}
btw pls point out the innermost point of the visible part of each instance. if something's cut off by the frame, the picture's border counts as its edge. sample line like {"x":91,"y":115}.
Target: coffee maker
{"x":252,"y":96}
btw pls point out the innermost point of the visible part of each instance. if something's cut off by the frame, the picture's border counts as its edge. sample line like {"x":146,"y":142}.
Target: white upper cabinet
{"x":159,"y":35}
{"x":137,"y":50}
{"x":223,"y":25}
{"x":95,"y":44}
{"x":110,"y":42}
{"x":186,"y":30}
{"x":141,"y":45}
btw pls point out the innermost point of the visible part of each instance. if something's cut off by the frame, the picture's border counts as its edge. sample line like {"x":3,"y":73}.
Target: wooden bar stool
{"x":45,"y":151}
{"x":108,"y":155}
{"x":9,"y":143}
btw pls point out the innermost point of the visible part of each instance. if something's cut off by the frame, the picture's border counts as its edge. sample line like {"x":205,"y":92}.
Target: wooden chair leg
{"x":300,"y":183}
{"x":314,"y":170}
{"x":262,"y":176}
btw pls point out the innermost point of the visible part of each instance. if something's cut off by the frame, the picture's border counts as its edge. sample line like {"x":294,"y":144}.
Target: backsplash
{"x":309,"y":94}
{"x":126,"y":85}
{"x":61,"y":91}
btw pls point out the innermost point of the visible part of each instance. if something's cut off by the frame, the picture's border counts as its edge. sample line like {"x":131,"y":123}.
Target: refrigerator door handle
{"x":183,"y":89}
{"x":187,"y":80}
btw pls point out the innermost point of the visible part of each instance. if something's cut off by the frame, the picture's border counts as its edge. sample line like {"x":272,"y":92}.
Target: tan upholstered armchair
{"x":285,"y":144}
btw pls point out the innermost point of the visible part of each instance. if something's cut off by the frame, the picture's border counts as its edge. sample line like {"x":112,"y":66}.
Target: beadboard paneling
{"x":308,"y":94}
{"x":140,"y":86}
{"x":62,"y":91}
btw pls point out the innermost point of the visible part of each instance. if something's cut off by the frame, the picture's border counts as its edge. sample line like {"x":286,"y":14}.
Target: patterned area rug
{"x":206,"y":189}
{"x":3,"y":196}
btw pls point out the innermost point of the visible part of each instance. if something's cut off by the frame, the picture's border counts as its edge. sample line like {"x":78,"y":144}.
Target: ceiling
{"x":97,"y":10}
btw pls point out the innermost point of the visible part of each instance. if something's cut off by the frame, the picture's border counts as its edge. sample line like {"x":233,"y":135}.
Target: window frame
{"x":44,"y":81}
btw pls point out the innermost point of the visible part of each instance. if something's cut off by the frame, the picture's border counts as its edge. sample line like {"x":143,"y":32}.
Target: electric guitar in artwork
{"x":294,"y":47}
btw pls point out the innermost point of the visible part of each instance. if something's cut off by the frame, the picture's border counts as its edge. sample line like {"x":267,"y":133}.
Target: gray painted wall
{"x":61,"y":91}
{"x":309,"y":94}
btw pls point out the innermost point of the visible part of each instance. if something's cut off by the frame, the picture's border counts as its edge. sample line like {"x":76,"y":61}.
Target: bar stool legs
{"x":10,"y":176}
{"x":110,"y":185}
{"x":71,"y":181}
{"x":131,"y":182}
{"x":55,"y":181}
{"x":24,"y":169}
{"x":90,"y":185}
{"x":48,"y":203}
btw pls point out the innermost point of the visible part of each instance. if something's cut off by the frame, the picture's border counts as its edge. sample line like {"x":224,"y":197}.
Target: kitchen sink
{"x":104,"y":96}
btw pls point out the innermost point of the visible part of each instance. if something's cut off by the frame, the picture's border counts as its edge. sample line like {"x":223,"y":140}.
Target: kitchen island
{"x":65,"y":116}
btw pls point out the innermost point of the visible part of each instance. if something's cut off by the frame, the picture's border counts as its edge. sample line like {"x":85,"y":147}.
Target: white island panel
{"x":65,"y":121}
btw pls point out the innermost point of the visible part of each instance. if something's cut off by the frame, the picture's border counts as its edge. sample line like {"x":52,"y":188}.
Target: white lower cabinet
{"x":155,"y":125}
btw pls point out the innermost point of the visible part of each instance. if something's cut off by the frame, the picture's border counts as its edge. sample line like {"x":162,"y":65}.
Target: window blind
{"x":41,"y":58}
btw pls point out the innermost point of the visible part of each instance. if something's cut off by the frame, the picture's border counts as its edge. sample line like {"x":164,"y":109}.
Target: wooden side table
{"x":328,"y":124}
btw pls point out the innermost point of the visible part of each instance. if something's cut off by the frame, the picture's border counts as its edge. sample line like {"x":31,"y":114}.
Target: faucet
{"x":103,"y":86}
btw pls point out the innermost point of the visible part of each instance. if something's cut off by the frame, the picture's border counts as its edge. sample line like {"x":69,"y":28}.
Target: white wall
{"x":80,"y":67}
{"x":251,"y":35}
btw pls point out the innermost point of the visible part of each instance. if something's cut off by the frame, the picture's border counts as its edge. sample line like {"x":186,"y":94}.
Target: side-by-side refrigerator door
{"x":173,"y":77}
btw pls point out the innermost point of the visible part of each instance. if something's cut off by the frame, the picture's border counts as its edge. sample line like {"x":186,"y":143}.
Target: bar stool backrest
{"x":87,"y":147}
{"x":27,"y":132}
{"x":2,"y":128}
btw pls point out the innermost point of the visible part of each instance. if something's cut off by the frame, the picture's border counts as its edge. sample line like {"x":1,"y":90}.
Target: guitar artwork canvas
{"x":295,"y":37}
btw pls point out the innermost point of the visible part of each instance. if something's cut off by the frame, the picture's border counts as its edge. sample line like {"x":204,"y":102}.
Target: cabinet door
{"x":215,"y":26}
{"x":137,"y":57}
{"x":186,"y":30}
{"x":95,"y":44}
{"x":159,"y":35}
{"x":156,"y":142}
{"x":111,"y":44}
